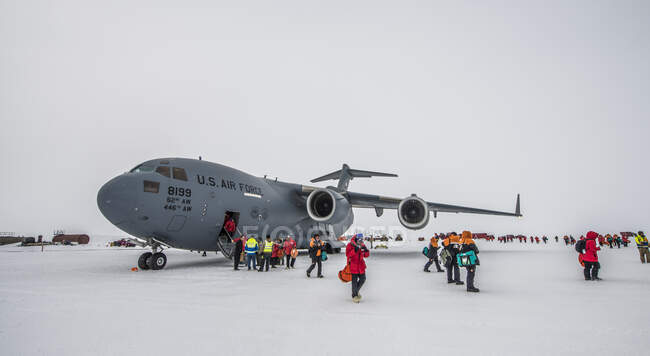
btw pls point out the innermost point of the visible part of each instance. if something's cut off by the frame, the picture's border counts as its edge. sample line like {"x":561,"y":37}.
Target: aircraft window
{"x":151,"y":187}
{"x":179,"y":173}
{"x":142,"y":168}
{"x":164,"y":170}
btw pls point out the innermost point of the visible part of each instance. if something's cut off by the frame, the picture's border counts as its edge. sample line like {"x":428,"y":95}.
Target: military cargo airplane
{"x":185,"y":203}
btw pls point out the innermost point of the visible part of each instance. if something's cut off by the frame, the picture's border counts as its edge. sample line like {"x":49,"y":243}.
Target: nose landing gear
{"x":152,"y":260}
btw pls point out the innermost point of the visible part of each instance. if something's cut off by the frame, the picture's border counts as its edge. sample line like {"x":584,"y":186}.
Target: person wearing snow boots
{"x":468,"y":245}
{"x":590,"y":257}
{"x":451,"y":248}
{"x":315,"y":252}
{"x":355,"y":252}
{"x":432,"y":255}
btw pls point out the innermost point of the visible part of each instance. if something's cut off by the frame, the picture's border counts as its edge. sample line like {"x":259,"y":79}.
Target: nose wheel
{"x":153,"y":261}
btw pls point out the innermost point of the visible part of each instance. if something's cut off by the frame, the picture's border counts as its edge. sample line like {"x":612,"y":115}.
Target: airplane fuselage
{"x":182,"y":203}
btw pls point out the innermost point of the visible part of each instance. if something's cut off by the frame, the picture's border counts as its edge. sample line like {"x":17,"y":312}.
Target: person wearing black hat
{"x":315,"y":251}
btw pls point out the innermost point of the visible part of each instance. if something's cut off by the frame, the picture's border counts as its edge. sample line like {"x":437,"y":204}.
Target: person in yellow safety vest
{"x":268,"y":249}
{"x":251,"y":248}
{"x":315,"y":250}
{"x":642,"y":245}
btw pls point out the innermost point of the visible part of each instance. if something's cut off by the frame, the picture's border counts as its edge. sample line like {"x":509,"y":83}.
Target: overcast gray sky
{"x":469,"y":102}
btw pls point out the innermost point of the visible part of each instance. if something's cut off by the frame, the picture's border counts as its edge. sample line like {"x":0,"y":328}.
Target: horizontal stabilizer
{"x":345,"y":174}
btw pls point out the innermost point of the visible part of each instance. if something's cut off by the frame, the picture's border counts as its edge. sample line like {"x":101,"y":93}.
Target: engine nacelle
{"x":327,"y":206}
{"x":413,"y":213}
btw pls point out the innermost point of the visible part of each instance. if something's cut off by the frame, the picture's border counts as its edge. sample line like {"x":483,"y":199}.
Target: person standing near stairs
{"x":267,"y":251}
{"x":236,"y":254}
{"x":230,"y":227}
{"x":251,"y":250}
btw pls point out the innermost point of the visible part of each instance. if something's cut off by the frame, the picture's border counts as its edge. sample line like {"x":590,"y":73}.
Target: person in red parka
{"x":590,"y":257}
{"x":356,"y":251}
{"x":288,"y":246}
{"x":275,"y":254}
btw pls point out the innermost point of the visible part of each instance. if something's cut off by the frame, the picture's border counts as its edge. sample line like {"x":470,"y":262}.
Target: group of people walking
{"x":450,"y":250}
{"x":266,"y":253}
{"x":457,"y":251}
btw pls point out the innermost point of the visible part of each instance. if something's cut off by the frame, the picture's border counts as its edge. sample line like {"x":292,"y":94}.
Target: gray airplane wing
{"x":360,"y":200}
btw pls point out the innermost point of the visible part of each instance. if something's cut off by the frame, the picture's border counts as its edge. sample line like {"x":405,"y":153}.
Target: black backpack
{"x":580,"y":245}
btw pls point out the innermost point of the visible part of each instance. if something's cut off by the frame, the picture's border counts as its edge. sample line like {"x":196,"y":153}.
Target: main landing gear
{"x":152,"y":260}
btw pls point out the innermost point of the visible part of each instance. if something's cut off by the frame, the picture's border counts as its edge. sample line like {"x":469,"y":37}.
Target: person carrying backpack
{"x":450,"y":250}
{"x":356,"y":251}
{"x":590,"y":257}
{"x":468,"y":245}
{"x":315,"y":252}
{"x":432,"y":255}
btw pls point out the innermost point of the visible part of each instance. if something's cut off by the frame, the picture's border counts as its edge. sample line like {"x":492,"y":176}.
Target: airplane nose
{"x":116,"y":199}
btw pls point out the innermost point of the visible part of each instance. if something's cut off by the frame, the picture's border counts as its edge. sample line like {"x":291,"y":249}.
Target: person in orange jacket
{"x":468,"y":244}
{"x":432,"y":255}
{"x":451,"y":245}
{"x":315,"y":250}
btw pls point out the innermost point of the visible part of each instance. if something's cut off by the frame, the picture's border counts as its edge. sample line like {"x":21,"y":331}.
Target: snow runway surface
{"x":84,"y":300}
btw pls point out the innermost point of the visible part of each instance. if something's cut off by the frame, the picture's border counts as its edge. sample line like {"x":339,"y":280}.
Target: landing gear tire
{"x":143,"y":261}
{"x":157,"y":261}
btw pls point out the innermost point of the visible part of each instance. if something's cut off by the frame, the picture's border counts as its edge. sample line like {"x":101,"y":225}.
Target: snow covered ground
{"x":85,"y":300}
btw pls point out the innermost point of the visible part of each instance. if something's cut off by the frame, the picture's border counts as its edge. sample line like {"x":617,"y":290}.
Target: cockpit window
{"x":151,"y":187}
{"x":179,"y":173}
{"x":164,"y":170}
{"x":142,"y":168}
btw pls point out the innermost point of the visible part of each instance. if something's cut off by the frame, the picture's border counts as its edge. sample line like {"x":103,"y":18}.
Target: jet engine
{"x":327,"y":206}
{"x":413,"y":213}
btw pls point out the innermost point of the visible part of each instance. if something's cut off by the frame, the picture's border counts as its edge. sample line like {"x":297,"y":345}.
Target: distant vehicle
{"x":185,"y":203}
{"x":28,"y":240}
{"x":122,"y":243}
